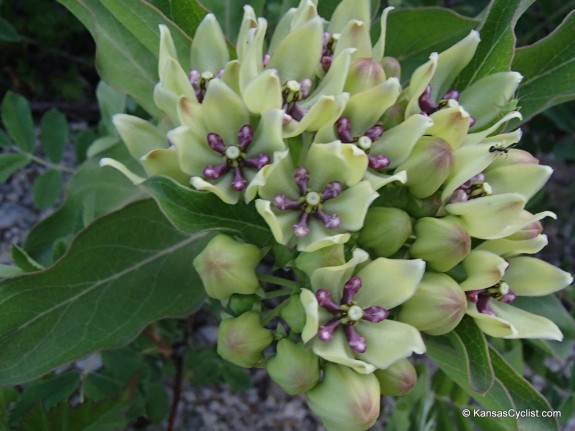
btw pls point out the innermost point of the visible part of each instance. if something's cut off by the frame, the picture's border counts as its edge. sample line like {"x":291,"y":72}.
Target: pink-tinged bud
{"x":241,"y":340}
{"x":398,"y":379}
{"x":437,"y":306}
{"x":391,"y":67}
{"x":227,"y":267}
{"x":394,"y":115}
{"x":385,"y":230}
{"x":294,"y":367}
{"x":532,"y":230}
{"x":440,"y":242}
{"x":364,"y":73}
{"x":345,"y":400}
{"x":428,"y":166}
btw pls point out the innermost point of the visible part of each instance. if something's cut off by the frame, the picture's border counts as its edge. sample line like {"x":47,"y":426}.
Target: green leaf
{"x":124,"y":271}
{"x":551,"y":307}
{"x":54,"y":134}
{"x":469,"y":338}
{"x":92,"y":192}
{"x":495,"y":51}
{"x":121,"y":59}
{"x":4,"y":139}
{"x":108,"y":415}
{"x":17,"y":119}
{"x":10,"y":163}
{"x":525,"y":397}
{"x":185,"y":13}
{"x":191,"y":210}
{"x":548,"y":69}
{"x":7,"y":32}
{"x":47,"y":188}
{"x":413,"y":34}
{"x":24,"y":262}
{"x":7,"y":271}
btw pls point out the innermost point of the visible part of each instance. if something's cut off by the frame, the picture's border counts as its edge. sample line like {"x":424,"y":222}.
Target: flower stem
{"x":277,"y":280}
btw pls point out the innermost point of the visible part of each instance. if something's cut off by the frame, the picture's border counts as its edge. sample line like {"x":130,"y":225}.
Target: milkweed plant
{"x":370,"y":216}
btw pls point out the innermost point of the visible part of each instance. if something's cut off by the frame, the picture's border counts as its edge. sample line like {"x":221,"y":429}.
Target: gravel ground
{"x":265,"y":407}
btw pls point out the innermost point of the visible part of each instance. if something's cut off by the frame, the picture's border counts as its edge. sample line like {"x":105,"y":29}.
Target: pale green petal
{"x":333,"y":278}
{"x":488,"y":217}
{"x":136,"y":179}
{"x":306,"y":11}
{"x":298,"y":54}
{"x":505,"y":140}
{"x":277,"y":178}
{"x":352,"y":205}
{"x":484,"y":269}
{"x":469,"y":161}
{"x":485,"y":98}
{"x":477,"y":137}
{"x":193,"y":150}
{"x":335,"y":162}
{"x":388,"y":342}
{"x":529,"y":276}
{"x":526,"y":325}
{"x":325,"y":112}
{"x":523,"y":219}
{"x":249,"y":21}
{"x":365,"y":108}
{"x":167,"y":101}
{"x":348,"y":10}
{"x":167,"y":50}
{"x":231,"y":75}
{"x":379,"y":47}
{"x":397,"y":142}
{"x":268,"y":136}
{"x":492,"y":325}
{"x":524,"y":179}
{"x":140,"y":136}
{"x":419,"y":81}
{"x":333,"y":82}
{"x":337,"y":350}
{"x":176,"y":80}
{"x":222,"y":188}
{"x":379,"y":180}
{"x":328,"y":256}
{"x":509,"y":248}
{"x":283,"y":28}
{"x":263,"y":93}
{"x":451,"y":125}
{"x":226,"y":122}
{"x":451,"y":62}
{"x":319,"y":237}
{"x":354,"y":35}
{"x":189,"y":112}
{"x":252,"y":61}
{"x":389,"y":282}
{"x":209,"y":48}
{"x":165,"y":162}
{"x":310,"y":305}
{"x":280,"y":223}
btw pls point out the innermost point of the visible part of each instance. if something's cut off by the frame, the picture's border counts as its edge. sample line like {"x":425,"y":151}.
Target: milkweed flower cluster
{"x":395,"y":210}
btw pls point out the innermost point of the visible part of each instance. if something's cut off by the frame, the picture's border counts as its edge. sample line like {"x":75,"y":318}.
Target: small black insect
{"x":500,"y":149}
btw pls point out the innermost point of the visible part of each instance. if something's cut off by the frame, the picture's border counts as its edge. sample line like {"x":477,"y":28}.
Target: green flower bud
{"x":398,"y":379}
{"x":241,"y":340}
{"x":428,"y":166}
{"x":227,"y":267}
{"x":294,"y":314}
{"x":239,"y":304}
{"x":345,"y":400}
{"x":440,"y":242}
{"x":327,"y":256}
{"x":385,"y":230}
{"x":364,"y":73}
{"x":391,"y":67}
{"x":294,"y":368}
{"x":436,"y":307}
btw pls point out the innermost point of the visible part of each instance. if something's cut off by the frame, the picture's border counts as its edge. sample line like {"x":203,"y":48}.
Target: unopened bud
{"x":397,"y":379}
{"x":241,"y":340}
{"x":391,"y":67}
{"x":364,"y":73}
{"x":294,"y":367}
{"x":437,"y":306}
{"x":294,"y":314}
{"x":385,"y":230}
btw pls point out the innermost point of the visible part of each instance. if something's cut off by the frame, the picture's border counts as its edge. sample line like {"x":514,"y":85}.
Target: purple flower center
{"x":475,"y":187}
{"x":343,"y":129}
{"x":348,"y":314}
{"x":200,"y":82}
{"x":234,"y":158}
{"x":428,"y":107}
{"x":310,"y":203}
{"x":292,"y":93}
{"x":500,"y":292}
{"x":328,"y":49}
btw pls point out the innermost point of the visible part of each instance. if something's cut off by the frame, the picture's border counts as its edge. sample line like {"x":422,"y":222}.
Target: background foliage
{"x":70,"y":301}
